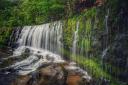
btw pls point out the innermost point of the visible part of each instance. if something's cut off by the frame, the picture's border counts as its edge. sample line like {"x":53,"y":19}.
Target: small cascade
{"x":106,"y":42}
{"x":106,"y":21}
{"x":75,"y":39}
{"x":106,"y":38}
{"x":75,"y":42}
{"x":103,"y":55}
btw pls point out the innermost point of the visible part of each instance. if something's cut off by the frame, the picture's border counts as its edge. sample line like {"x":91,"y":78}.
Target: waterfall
{"x":75,"y":39}
{"x":106,"y":41}
{"x":45,"y":36}
{"x":41,"y":43}
{"x":107,"y":28}
{"x":106,"y":21}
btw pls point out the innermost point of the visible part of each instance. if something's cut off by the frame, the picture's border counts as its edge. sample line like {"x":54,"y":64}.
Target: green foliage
{"x":92,"y":24}
{"x":27,"y":12}
{"x":69,"y":27}
{"x":4,"y":36}
{"x":90,"y":12}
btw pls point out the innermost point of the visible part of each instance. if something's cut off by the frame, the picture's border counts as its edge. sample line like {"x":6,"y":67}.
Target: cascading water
{"x":45,"y":36}
{"x":43,"y":45}
{"x":107,"y":37}
{"x":75,"y":40}
{"x":106,"y":26}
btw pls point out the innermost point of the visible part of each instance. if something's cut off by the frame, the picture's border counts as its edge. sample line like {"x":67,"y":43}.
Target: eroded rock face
{"x":55,"y":74}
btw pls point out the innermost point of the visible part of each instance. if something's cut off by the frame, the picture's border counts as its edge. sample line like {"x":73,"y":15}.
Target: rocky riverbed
{"x":52,"y":73}
{"x":55,"y":74}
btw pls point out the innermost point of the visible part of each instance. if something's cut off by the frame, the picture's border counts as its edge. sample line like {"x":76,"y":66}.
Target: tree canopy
{"x":24,"y":12}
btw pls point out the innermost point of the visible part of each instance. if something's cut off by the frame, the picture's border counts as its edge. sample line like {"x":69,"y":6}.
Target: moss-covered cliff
{"x":102,"y":39}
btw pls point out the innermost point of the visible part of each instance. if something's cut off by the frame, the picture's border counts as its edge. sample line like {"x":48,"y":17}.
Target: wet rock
{"x":6,"y":78}
{"x":48,"y":71}
{"x":73,"y":80}
{"x":5,"y":52}
{"x":27,"y":50}
{"x":6,"y":62}
{"x":21,"y":80}
{"x":53,"y":74}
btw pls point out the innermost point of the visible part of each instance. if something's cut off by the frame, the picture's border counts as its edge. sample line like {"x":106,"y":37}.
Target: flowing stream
{"x":42,"y":45}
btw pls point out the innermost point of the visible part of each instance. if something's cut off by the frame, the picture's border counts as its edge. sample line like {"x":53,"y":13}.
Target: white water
{"x":36,"y":59}
{"x":43,"y":45}
{"x":75,"y":40}
{"x":45,"y":36}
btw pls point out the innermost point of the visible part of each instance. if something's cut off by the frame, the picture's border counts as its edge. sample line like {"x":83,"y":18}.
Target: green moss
{"x":90,"y":12}
{"x":93,"y":67}
{"x":69,"y":28}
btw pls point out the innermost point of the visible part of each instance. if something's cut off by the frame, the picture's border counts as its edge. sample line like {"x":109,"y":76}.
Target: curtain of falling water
{"x":47,"y":36}
{"x":37,"y":41}
{"x":42,"y":43}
